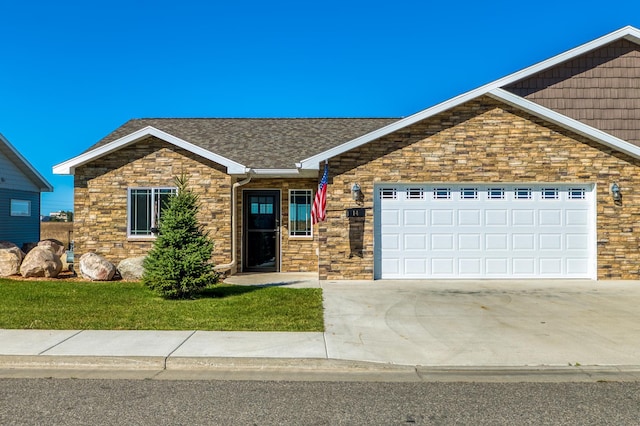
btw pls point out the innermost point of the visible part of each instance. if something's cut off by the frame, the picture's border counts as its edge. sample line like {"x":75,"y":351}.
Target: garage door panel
{"x":548,"y":217}
{"x":523,"y":217}
{"x":442,"y":217}
{"x":442,"y":266}
{"x":485,"y":231}
{"x":415,"y":217}
{"x":496,"y":241}
{"x":496,"y":217}
{"x":523,"y":266}
{"x":470,"y":266}
{"x":469,"y":217}
{"x":469,"y":242}
{"x":415,"y":242}
{"x":550,"y":241}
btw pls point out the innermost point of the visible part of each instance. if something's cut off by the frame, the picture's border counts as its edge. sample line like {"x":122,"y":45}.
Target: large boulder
{"x":10,"y":259}
{"x":54,"y":245}
{"x":96,"y":268}
{"x":41,"y":262}
{"x":131,"y":268}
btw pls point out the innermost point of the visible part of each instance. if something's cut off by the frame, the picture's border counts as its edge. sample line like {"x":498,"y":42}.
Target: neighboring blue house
{"x":20,"y":188}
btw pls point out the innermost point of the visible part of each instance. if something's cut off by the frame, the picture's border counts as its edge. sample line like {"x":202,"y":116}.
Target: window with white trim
{"x":522,"y":193}
{"x":145,"y":210}
{"x":21,"y":208}
{"x":442,"y":193}
{"x":388,"y":193}
{"x":300,"y":212}
{"x":495,"y":193}
{"x":576,"y":193}
{"x":415,"y":194}
{"x":469,"y":193}
{"x":550,"y":193}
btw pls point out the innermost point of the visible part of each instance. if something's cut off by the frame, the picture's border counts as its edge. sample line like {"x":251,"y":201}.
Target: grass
{"x":119,"y":305}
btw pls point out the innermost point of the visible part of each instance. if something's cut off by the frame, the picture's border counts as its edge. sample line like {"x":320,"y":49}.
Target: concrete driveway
{"x":484,"y":323}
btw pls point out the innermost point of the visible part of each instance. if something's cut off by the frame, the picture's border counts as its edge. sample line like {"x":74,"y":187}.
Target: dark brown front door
{"x":261,"y":231}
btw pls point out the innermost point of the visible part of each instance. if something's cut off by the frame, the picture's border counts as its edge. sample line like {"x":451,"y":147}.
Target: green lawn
{"x":119,"y":305}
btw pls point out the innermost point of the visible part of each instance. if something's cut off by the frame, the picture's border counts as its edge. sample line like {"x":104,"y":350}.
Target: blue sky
{"x":71,"y":72}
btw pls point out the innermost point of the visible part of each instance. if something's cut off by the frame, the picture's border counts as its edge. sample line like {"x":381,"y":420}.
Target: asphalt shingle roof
{"x":261,"y":143}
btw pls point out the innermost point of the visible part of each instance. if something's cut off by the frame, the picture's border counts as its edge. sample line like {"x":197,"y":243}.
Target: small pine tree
{"x":179,"y":264}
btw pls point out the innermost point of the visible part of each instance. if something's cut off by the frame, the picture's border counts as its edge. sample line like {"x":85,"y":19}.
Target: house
{"x":534,"y":175}
{"x":20,"y":188}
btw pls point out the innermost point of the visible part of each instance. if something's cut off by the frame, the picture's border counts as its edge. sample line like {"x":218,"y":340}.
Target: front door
{"x":261,"y":231}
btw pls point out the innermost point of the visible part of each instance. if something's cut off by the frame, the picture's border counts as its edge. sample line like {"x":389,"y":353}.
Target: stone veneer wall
{"x":481,"y":141}
{"x":297,"y":254}
{"x":100,"y":217}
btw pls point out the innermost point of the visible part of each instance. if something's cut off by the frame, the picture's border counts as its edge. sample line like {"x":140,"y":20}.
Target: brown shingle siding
{"x":601,"y":89}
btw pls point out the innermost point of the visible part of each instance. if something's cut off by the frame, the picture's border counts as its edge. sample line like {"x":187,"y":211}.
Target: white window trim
{"x":153,"y":189}
{"x":14,"y":214}
{"x":310,"y":235}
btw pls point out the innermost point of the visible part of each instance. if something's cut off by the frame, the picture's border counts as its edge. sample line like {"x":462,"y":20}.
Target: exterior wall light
{"x":615,"y":193}
{"x":356,"y":193}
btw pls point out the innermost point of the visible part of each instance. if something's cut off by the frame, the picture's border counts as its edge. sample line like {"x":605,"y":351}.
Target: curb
{"x":296,"y":369}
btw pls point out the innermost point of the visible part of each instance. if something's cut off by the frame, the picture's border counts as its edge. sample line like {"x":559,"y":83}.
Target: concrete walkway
{"x":386,"y":326}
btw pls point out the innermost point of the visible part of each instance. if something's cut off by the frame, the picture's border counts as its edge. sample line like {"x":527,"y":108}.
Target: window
{"x":388,"y":194}
{"x":415,"y":194}
{"x":495,"y":194}
{"x":469,"y":193}
{"x":20,"y":208}
{"x":522,"y":193}
{"x":576,"y":193}
{"x":550,"y":193}
{"x":145,"y":209}
{"x":300,"y":212}
{"x":441,"y":193}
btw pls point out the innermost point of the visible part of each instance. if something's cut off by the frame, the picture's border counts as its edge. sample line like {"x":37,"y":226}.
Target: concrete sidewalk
{"x":386,"y":326}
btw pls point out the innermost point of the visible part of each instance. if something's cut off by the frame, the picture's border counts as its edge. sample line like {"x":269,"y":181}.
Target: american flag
{"x":319,"y":208}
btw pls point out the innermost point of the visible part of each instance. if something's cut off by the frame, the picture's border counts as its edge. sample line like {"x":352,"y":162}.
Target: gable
{"x":17,"y":173}
{"x":600,"y":88}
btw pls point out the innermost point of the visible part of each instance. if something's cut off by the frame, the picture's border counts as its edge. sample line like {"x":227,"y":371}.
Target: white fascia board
{"x":26,"y":167}
{"x":69,"y":166}
{"x":566,"y":122}
{"x":630,"y":33}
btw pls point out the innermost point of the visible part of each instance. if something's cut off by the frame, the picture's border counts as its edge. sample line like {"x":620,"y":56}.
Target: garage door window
{"x":522,"y":193}
{"x":495,"y":193}
{"x":550,"y":193}
{"x":576,"y":194}
{"x":469,"y":193}
{"x":442,"y":193}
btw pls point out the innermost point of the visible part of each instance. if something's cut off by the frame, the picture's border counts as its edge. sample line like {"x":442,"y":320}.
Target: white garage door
{"x":485,"y":231}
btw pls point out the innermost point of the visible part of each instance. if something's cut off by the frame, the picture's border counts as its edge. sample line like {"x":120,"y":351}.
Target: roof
{"x":23,"y":165}
{"x":239,"y":143}
{"x":272,"y":146}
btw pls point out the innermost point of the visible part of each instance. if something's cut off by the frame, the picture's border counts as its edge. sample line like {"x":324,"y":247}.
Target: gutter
{"x":234,"y":230}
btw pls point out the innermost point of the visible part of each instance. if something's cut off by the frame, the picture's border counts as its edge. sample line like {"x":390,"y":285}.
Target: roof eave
{"x":68,"y":167}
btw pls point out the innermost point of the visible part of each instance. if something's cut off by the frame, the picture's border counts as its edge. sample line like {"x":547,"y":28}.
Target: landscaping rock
{"x":131,"y":268}
{"x":96,"y":268}
{"x":56,"y":246}
{"x":41,"y":262}
{"x":10,"y":259}
{"x":27,"y":247}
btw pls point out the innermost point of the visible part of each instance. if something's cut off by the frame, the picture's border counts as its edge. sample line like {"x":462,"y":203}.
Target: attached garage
{"x":484,"y":231}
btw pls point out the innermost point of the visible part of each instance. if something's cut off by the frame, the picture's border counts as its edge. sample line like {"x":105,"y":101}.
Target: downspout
{"x":234,"y":231}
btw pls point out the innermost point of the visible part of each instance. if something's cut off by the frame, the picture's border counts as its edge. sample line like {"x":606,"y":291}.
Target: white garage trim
{"x":495,"y":231}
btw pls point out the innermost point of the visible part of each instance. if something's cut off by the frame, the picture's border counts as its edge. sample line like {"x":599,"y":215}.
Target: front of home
{"x":530,"y":176}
